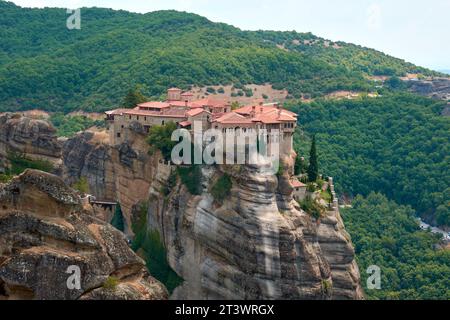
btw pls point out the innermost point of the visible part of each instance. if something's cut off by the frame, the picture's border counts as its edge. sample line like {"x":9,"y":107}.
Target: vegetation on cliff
{"x":387,"y":235}
{"x":19,"y":163}
{"x":149,"y":245}
{"x":221,"y":189}
{"x":397,"y":144}
{"x":160,"y":138}
{"x":69,"y":126}
{"x":118,"y":220}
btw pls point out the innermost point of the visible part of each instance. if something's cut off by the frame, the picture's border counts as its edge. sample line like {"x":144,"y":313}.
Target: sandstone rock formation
{"x":120,"y":173}
{"x":45,"y":228}
{"x":257,"y":245}
{"x":34,"y":138}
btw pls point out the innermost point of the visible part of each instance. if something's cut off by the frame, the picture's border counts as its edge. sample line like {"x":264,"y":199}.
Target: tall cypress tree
{"x":313,"y":169}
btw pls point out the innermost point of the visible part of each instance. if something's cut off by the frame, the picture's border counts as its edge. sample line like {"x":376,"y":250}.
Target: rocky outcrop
{"x":47,"y":231}
{"x":438,"y":88}
{"x":257,"y":245}
{"x":120,"y":173}
{"x":34,"y":138}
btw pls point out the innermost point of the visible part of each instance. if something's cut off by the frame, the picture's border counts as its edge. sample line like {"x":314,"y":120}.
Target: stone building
{"x":181,"y":109}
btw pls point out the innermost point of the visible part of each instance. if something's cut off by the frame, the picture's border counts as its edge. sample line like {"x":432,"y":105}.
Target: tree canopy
{"x":397,"y":144}
{"x":44,"y":65}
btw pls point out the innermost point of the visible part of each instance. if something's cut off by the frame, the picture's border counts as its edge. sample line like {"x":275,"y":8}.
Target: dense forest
{"x":412,"y":264}
{"x":397,"y":144}
{"x":47,"y":66}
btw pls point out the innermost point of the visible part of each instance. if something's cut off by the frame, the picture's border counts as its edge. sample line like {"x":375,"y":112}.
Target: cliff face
{"x":45,"y":228}
{"x":257,"y":245}
{"x":34,"y":138}
{"x":120,"y":173}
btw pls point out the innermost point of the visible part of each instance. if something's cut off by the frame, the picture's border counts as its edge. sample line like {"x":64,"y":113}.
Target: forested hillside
{"x":44,"y":65}
{"x":412,"y":264}
{"x":397,"y":144}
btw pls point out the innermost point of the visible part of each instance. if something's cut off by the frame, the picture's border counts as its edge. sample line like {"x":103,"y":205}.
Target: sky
{"x":415,"y":30}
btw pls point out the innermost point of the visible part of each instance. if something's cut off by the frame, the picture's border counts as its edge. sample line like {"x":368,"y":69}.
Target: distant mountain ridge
{"x":44,"y":65}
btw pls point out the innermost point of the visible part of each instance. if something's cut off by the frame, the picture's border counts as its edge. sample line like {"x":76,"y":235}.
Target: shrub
{"x":222,"y":188}
{"x":211,"y":90}
{"x":248,"y":92}
{"x":191,"y":177}
{"x":221,"y":90}
{"x":4,"y":178}
{"x":311,"y":187}
{"x":111,"y":283}
{"x":81,"y":185}
{"x":312,"y":207}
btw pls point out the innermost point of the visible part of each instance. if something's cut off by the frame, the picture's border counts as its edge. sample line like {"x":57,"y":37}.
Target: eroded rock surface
{"x":34,"y":138}
{"x":257,"y":245}
{"x":45,"y":228}
{"x":120,"y":173}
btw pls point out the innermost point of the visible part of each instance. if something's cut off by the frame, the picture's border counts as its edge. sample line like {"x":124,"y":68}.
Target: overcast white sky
{"x":415,"y":30}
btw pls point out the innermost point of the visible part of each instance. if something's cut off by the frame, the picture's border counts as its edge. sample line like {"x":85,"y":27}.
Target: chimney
{"x":253,"y":113}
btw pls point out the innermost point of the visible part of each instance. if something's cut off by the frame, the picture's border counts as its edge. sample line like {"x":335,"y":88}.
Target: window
{"x":163,"y":122}
{"x":118,"y":134}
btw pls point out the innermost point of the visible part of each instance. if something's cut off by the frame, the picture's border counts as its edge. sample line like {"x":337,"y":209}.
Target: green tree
{"x":299,"y":166}
{"x":313,"y":169}
{"x":118,"y":221}
{"x":133,"y":98}
{"x":160,"y":138}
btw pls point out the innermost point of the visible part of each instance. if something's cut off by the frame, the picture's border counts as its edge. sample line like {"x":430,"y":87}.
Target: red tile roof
{"x":154,"y":105}
{"x":185,"y":123}
{"x":179,"y":104}
{"x":210,"y":102}
{"x":194,"y":112}
{"x":168,"y":113}
{"x":233,"y":118}
{"x":297,"y":184}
